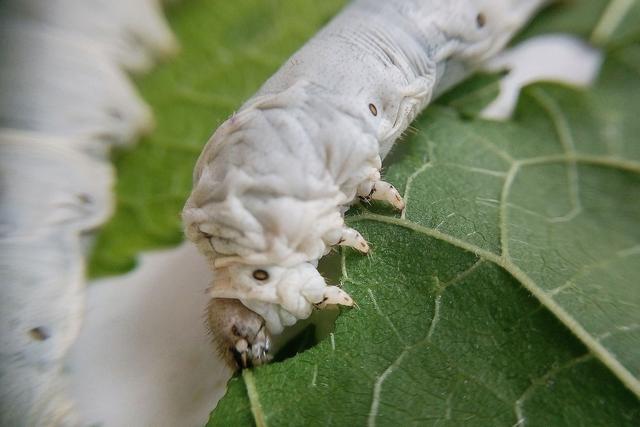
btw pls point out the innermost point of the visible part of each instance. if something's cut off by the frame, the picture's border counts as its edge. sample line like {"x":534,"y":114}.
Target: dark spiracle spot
{"x":115,"y":114}
{"x":39,"y":333}
{"x":373,"y":109}
{"x":260,"y":275}
{"x":84,"y":198}
{"x":481,"y":20}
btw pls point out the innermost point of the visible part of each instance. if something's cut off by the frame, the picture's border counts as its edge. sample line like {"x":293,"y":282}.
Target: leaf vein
{"x":254,"y":400}
{"x":409,"y":184}
{"x":377,"y":388}
{"x":391,"y":324}
{"x":503,"y":219}
{"x":585,"y":269}
{"x":563,"y":130}
{"x":537,"y":382}
{"x":611,"y":18}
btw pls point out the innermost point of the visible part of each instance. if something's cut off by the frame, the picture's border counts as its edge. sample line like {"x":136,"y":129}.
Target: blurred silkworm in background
{"x":65,"y":100}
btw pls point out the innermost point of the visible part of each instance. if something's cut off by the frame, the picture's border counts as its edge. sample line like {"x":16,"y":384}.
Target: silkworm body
{"x":273,"y":183}
{"x":64,"y":102}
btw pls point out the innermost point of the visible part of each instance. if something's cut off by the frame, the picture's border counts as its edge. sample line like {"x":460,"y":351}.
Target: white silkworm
{"x":63,"y":102}
{"x":131,"y":33}
{"x":45,"y":68}
{"x":272,"y":184}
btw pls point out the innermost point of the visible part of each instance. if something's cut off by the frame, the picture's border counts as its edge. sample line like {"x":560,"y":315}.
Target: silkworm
{"x":273,"y":182}
{"x":132,"y":34}
{"x":64,"y":101}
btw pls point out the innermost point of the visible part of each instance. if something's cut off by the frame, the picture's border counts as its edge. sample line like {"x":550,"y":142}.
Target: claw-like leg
{"x":347,"y":237}
{"x":380,"y":190}
{"x":333,"y":295}
{"x":353,"y":239}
